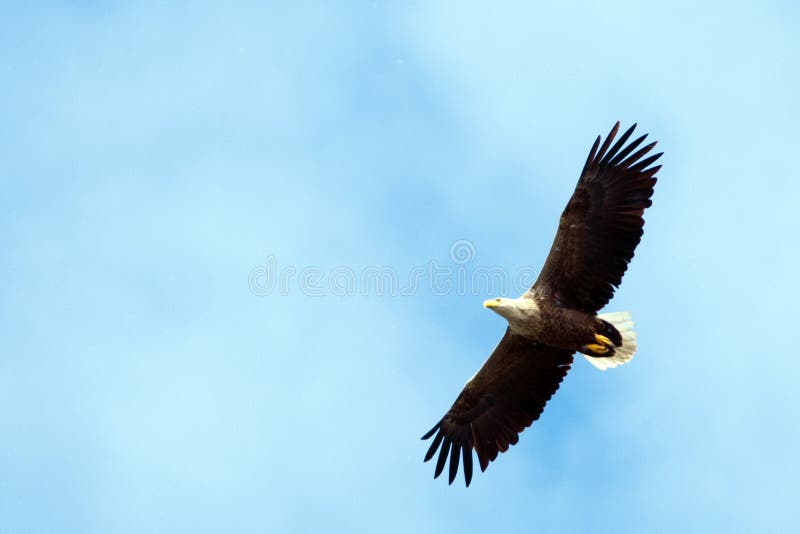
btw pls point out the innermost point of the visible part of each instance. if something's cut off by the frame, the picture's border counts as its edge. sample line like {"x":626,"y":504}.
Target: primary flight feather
{"x":597,"y":234}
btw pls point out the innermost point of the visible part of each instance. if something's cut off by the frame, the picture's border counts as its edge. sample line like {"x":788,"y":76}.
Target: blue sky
{"x":154,"y":157}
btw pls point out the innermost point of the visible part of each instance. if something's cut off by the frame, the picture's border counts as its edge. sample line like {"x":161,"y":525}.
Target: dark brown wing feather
{"x":601,"y":225}
{"x":505,"y":397}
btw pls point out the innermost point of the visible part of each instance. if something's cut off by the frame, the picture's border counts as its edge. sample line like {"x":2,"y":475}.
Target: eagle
{"x":558,"y":316}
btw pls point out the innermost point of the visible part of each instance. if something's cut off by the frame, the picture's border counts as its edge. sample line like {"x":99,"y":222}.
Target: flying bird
{"x":558,"y":316}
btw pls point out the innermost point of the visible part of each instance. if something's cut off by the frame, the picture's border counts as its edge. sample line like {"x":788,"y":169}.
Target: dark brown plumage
{"x":601,"y":225}
{"x":598,"y":232}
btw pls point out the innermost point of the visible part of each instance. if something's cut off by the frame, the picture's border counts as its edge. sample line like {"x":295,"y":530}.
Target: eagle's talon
{"x":603,"y":340}
{"x":597,"y":349}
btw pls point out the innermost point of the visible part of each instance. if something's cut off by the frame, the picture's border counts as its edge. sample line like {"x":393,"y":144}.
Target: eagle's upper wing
{"x":601,"y":225}
{"x":500,"y":401}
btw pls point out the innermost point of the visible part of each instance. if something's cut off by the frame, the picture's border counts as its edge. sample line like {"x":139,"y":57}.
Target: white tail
{"x":623,"y":322}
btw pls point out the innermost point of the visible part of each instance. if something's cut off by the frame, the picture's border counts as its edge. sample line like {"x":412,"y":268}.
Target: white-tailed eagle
{"x":597,"y":234}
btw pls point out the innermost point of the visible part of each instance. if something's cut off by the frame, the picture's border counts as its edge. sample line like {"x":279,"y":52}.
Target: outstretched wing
{"x":601,"y":225}
{"x":500,"y":401}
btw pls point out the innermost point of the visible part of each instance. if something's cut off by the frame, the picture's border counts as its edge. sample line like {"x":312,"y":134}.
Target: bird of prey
{"x":558,"y":316}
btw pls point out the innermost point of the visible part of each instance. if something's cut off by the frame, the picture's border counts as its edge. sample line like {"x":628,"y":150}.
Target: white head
{"x":514,"y":310}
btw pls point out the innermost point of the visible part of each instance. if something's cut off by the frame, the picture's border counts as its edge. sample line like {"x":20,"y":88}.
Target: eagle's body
{"x":563,"y":328}
{"x":558,"y":316}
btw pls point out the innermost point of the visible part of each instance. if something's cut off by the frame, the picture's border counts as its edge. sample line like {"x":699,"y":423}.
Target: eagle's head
{"x":521,"y":309}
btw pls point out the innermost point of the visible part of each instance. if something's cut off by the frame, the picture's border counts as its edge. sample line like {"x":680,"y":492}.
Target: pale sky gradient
{"x":153,"y":156}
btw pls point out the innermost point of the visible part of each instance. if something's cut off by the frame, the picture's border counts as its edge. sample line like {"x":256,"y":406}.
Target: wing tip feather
{"x":430,"y":432}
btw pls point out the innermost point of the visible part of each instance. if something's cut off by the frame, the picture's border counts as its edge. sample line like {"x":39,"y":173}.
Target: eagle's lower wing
{"x":500,"y":401}
{"x":601,"y":225}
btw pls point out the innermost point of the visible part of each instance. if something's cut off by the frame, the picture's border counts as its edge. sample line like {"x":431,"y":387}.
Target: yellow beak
{"x":491,"y":303}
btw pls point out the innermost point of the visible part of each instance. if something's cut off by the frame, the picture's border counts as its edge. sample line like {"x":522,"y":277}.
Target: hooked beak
{"x":491,"y":303}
